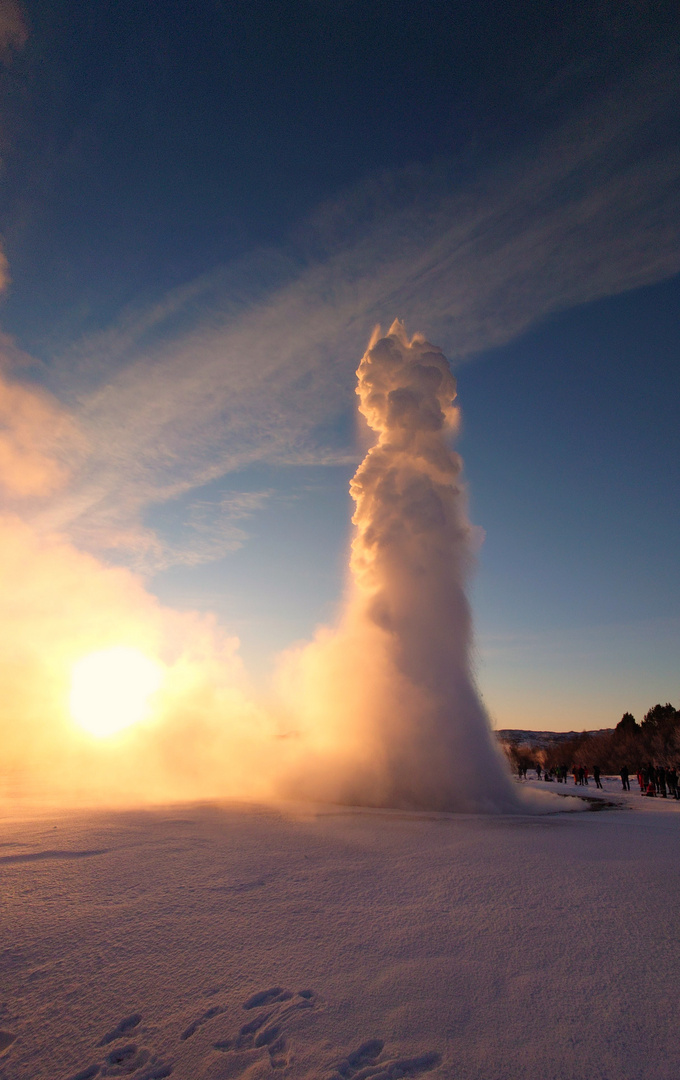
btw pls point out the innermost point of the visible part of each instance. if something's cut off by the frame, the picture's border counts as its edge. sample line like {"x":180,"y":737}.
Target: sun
{"x":110,"y":689}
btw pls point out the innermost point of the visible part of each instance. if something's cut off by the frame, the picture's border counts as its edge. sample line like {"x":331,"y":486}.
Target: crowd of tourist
{"x":654,"y":780}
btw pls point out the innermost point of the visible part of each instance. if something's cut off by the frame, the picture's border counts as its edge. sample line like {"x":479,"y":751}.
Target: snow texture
{"x":242,"y":942}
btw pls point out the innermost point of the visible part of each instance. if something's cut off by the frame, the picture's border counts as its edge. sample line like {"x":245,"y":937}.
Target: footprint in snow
{"x":266,"y":997}
{"x":196,"y":1024}
{"x":128,"y":1023}
{"x":364,"y":1064}
{"x":267,"y":1029}
{"x":86,"y":1074}
{"x":127,"y":1059}
{"x":130,"y":1059}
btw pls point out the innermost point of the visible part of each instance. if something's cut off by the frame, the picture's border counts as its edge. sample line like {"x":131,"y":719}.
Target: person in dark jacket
{"x":596,"y":776}
{"x":625,"y":785}
{"x":661,"y":781}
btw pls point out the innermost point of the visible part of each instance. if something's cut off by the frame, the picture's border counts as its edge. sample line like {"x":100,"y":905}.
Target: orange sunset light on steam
{"x":112,"y":689}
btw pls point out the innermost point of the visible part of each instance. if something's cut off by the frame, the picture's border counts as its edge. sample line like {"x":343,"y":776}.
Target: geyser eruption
{"x":110,"y":696}
{"x":391,"y":707}
{"x":410,"y":559}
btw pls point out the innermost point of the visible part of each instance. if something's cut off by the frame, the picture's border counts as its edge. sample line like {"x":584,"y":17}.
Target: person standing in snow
{"x":625,"y":785}
{"x":596,"y":776}
{"x":661,"y":781}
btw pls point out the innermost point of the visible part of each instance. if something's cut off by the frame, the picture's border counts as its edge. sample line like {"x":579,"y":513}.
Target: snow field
{"x":210,"y":942}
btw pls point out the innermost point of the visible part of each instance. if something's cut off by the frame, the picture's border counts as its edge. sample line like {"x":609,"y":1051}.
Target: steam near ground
{"x":381,"y":710}
{"x":227,"y":942}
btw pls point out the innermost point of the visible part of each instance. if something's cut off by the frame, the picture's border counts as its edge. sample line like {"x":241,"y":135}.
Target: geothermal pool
{"x":237,"y":941}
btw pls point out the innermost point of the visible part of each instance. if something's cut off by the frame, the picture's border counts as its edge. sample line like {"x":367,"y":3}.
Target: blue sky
{"x":205,"y":210}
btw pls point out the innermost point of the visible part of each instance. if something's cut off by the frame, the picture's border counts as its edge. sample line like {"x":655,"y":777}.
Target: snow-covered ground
{"x":230,"y":941}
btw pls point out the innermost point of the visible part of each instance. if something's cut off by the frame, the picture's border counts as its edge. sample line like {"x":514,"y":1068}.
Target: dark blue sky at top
{"x":147,"y":144}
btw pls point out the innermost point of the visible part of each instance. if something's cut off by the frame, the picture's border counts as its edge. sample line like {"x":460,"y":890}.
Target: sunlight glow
{"x":110,"y":689}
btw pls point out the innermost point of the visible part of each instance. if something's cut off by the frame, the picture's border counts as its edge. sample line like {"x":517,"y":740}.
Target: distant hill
{"x":542,"y":739}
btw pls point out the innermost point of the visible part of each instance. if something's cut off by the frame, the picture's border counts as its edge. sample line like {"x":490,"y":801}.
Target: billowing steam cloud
{"x":381,"y":711}
{"x":392,"y":711}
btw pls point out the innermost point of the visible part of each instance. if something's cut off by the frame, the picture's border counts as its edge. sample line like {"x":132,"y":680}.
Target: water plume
{"x":390,"y":707}
{"x":382,"y":710}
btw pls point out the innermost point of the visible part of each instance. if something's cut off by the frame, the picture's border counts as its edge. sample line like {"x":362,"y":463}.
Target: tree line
{"x":654,"y":741}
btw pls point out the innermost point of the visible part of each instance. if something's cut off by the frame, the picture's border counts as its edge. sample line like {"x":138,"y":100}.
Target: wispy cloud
{"x":252,"y":364}
{"x":209,"y":529}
